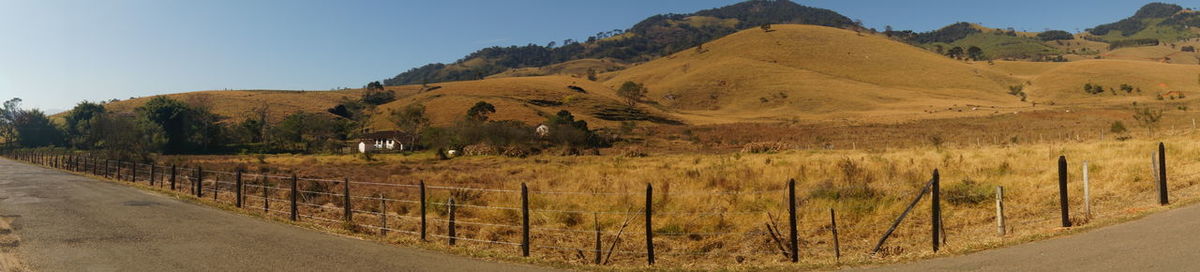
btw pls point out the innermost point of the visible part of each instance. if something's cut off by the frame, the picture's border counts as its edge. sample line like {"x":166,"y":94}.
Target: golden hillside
{"x":527,"y":99}
{"x":812,"y":72}
{"x":237,"y":103}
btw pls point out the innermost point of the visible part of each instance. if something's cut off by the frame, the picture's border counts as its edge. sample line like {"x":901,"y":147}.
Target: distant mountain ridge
{"x":653,"y":37}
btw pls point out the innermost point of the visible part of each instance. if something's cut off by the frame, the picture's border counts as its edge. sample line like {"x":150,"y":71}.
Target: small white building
{"x":387,"y":141}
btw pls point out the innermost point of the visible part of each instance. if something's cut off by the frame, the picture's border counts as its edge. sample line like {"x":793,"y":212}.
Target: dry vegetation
{"x":711,"y":210}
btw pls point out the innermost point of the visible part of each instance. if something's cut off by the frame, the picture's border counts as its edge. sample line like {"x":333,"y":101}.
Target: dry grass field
{"x":711,"y":210}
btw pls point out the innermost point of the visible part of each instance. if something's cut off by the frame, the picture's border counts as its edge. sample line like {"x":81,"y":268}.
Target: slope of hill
{"x":1063,"y":82}
{"x":656,"y":36}
{"x":235,"y":105}
{"x":811,"y":71}
{"x":526,"y":99}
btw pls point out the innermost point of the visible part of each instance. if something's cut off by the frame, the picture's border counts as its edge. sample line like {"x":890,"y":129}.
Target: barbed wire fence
{"x":624,"y":232}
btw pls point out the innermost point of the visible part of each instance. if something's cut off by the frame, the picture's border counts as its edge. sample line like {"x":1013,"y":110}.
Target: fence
{"x":453,"y":214}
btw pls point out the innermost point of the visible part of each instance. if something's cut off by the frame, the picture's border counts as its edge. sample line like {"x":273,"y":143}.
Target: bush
{"x":1055,"y":35}
{"x":765,"y":147}
{"x":968,"y":192}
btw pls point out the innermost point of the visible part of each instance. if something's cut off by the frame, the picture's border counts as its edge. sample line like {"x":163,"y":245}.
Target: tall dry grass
{"x":713,"y":210}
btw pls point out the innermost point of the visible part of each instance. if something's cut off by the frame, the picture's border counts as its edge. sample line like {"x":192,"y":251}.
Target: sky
{"x":56,"y":53}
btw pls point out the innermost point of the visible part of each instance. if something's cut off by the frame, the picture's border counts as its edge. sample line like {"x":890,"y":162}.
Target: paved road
{"x":1167,"y":241}
{"x":73,"y":223}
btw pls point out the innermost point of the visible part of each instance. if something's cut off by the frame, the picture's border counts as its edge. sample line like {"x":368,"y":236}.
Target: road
{"x":67,"y":222}
{"x":1167,"y":241}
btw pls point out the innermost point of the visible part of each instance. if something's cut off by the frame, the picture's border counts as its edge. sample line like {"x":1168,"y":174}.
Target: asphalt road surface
{"x":1167,"y":241}
{"x":67,"y":222}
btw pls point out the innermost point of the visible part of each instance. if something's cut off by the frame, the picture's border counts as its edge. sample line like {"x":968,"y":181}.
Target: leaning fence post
{"x":347,"y":212}
{"x":451,"y":230}
{"x":837,"y":246}
{"x":237,"y":181}
{"x":524,"y":220}
{"x":1000,"y":210}
{"x":795,"y":245}
{"x":1062,"y":191}
{"x":649,"y":225}
{"x":1162,"y":174}
{"x":423,"y":206}
{"x":294,"y":196}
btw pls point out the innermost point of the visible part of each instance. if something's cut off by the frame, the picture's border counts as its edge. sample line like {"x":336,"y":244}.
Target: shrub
{"x":968,"y":192}
{"x":765,"y":147}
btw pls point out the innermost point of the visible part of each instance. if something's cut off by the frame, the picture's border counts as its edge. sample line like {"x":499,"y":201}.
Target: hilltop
{"x":651,"y":38}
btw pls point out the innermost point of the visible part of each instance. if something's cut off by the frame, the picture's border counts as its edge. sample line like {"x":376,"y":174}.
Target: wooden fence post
{"x":266,"y":190}
{"x":795,"y":241}
{"x":133,"y":174}
{"x":1000,"y":230}
{"x":237,"y":181}
{"x":173,"y":168}
{"x":524,"y":220}
{"x":936,"y":209}
{"x":1062,"y":191}
{"x":295,"y":195}
{"x":649,"y":224}
{"x":347,"y":211}
{"x":596,"y":222}
{"x":199,"y":181}
{"x":423,"y":206}
{"x":216,"y":186}
{"x":1087,"y":194}
{"x":153,"y":169}
{"x":896,"y":223}
{"x":837,"y":246}
{"x":451,"y":230}
{"x":1162,"y":175}
{"x":383,"y":211}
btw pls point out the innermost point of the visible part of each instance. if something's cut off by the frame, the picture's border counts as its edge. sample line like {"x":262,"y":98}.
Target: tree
{"x":127,"y":136}
{"x":309,"y":132}
{"x":378,"y":96}
{"x":1055,"y":35}
{"x":956,"y":53}
{"x":8,"y":116}
{"x":632,"y":92}
{"x":975,"y":53}
{"x":34,"y":129}
{"x":79,"y":125}
{"x":187,"y":129}
{"x":411,"y":119}
{"x":765,"y":27}
{"x":480,"y":111}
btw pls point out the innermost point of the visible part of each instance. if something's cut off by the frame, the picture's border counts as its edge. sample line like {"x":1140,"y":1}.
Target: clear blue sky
{"x":55,"y":53}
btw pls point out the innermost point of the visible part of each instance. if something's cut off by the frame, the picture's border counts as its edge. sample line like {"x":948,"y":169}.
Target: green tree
{"x":975,"y":53}
{"x":187,"y":129}
{"x":34,"y":129}
{"x":632,"y":92}
{"x":8,"y":116}
{"x":79,"y":124}
{"x":956,"y":53}
{"x":127,"y":136}
{"x":480,"y":111}
{"x":309,"y":132}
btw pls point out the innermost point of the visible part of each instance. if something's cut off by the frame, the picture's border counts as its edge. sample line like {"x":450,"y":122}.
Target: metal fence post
{"x":423,"y":206}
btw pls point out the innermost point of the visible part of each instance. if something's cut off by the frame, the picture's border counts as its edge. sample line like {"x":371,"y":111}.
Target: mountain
{"x":653,"y":37}
{"x":1157,"y":21}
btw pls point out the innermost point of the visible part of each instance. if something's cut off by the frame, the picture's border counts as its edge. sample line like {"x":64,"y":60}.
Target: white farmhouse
{"x":387,"y":141}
